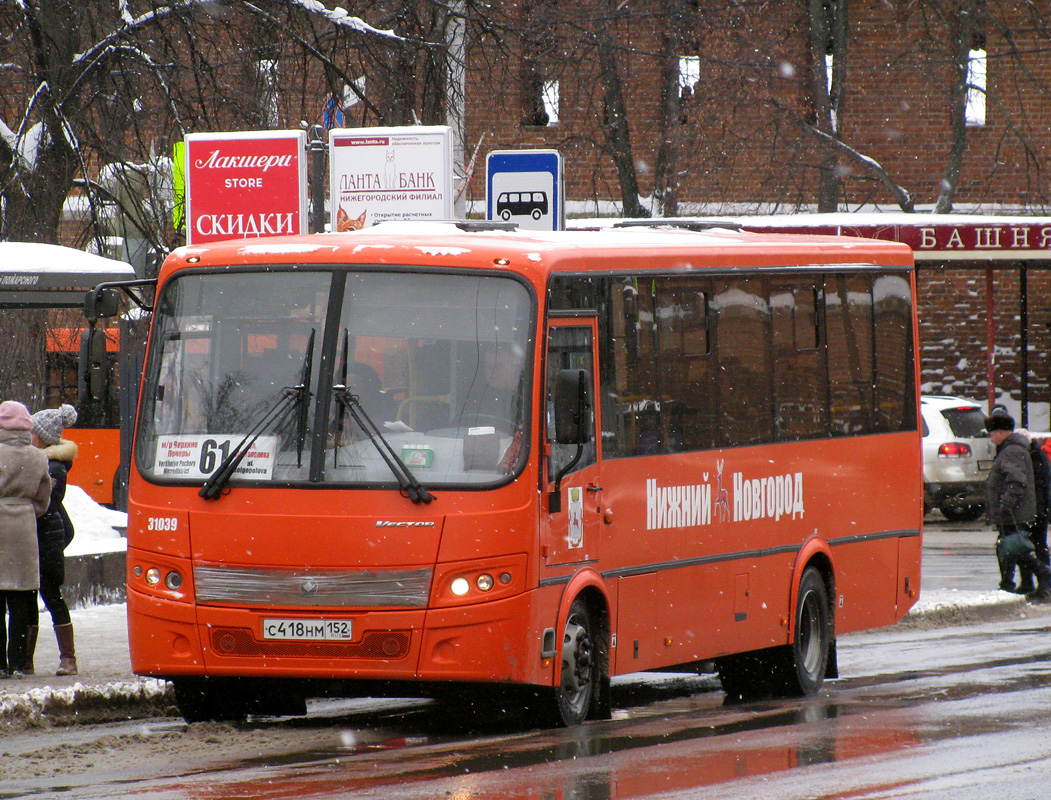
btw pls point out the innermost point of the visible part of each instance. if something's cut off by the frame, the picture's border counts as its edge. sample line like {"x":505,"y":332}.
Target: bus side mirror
{"x":572,"y":402}
{"x":101,"y":302}
{"x":92,"y":370}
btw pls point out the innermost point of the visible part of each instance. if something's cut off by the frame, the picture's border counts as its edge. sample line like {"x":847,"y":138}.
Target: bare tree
{"x":615,"y":111}
{"x":87,"y":74}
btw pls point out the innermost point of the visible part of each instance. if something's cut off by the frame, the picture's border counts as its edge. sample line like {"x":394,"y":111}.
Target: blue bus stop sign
{"x":525,"y":187}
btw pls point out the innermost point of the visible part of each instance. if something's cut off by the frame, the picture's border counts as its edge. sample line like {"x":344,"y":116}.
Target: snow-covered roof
{"x":51,"y":276}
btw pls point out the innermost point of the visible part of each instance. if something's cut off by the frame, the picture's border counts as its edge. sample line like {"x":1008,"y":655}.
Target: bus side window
{"x":636,"y":405}
{"x":892,"y":318}
{"x":687,"y":381}
{"x":742,"y":343}
{"x":799,"y":364}
{"x":848,"y":311}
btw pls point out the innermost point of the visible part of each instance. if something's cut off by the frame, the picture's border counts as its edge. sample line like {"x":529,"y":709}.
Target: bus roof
{"x":36,"y":275}
{"x":539,"y":253}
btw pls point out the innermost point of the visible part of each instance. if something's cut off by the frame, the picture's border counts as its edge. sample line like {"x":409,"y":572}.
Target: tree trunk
{"x":615,"y":125}
{"x":23,"y":357}
{"x":957,"y":112}
{"x":828,"y":31}
{"x":666,"y":178}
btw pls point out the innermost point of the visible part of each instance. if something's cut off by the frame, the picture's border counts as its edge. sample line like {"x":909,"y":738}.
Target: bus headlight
{"x":459,"y":586}
{"x":153,"y":576}
{"x":173,"y":580}
{"x":480,"y":581}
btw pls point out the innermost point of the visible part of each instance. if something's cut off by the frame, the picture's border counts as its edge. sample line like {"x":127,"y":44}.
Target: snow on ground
{"x":95,"y":526}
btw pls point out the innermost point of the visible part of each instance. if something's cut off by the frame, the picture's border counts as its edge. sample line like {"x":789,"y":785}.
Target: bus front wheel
{"x":209,"y":700}
{"x":580,"y":681}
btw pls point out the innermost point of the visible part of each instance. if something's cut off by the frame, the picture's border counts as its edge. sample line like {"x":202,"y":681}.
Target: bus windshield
{"x":436,"y":365}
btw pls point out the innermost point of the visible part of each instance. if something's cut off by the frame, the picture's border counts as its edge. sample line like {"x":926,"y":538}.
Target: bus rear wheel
{"x":580,"y":680}
{"x":806,"y":659}
{"x":794,"y":670}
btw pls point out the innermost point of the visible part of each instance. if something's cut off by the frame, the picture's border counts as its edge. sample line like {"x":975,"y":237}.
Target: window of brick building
{"x":974,"y":112}
{"x":541,"y":98}
{"x":689,"y":75}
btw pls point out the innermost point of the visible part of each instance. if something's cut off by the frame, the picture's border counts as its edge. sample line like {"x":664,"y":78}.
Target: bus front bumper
{"x":487,"y":642}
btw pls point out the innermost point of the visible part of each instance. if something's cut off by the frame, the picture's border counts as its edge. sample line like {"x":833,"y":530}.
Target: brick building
{"x":745,"y":142}
{"x":756,"y":90}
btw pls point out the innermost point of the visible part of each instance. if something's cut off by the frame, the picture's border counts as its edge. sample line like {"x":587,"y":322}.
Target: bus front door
{"x":573,"y":532}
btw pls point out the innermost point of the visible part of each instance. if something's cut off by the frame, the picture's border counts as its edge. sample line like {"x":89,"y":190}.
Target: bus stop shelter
{"x":36,"y":275}
{"x":986,"y":243}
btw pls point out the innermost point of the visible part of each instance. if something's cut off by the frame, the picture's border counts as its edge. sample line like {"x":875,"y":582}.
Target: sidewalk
{"x":956,"y":559}
{"x":104,"y":690}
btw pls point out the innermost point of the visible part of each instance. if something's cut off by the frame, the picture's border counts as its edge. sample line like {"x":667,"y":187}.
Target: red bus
{"x":424,"y":458}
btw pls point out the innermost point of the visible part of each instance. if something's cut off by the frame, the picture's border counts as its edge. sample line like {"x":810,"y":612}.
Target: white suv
{"x":957,"y":457}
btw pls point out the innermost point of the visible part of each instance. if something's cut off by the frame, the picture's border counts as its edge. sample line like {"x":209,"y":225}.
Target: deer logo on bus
{"x":722,"y":501}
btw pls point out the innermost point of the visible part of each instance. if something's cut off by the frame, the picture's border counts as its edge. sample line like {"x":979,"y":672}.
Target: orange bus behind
{"x":97,"y":431}
{"x":419,"y":458}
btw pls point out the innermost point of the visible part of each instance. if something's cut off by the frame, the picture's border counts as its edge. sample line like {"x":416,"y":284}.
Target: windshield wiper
{"x":410,"y":486}
{"x":341,"y":413}
{"x":292,"y":397}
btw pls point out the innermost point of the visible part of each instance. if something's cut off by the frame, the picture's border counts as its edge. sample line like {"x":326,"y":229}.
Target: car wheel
{"x":962,"y":512}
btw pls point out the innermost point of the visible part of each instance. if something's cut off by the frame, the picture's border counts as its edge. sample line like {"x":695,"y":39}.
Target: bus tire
{"x":209,"y":700}
{"x":794,"y":670}
{"x":581,"y":681}
{"x":806,"y":659}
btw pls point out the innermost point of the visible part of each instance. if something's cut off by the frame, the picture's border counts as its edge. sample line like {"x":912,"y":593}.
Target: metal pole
{"x":990,"y":341}
{"x":455,"y":101}
{"x":316,"y":148}
{"x":1023,"y":312}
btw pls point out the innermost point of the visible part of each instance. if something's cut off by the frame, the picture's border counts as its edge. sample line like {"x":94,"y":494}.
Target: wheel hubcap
{"x":576,"y":662}
{"x":808,"y":637}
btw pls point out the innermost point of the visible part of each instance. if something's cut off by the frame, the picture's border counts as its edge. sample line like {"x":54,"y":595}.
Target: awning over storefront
{"x":933,"y":237}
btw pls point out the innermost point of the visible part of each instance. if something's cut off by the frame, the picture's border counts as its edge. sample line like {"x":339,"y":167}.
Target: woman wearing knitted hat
{"x":25,"y":490}
{"x":54,"y":533}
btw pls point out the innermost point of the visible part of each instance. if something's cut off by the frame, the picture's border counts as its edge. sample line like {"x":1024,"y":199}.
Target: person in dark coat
{"x":54,"y":533}
{"x":1042,"y":474}
{"x":25,"y":490}
{"x":1011,"y":505}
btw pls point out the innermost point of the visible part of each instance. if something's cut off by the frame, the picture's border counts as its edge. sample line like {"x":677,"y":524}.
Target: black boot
{"x":30,"y":650}
{"x":1042,"y":594}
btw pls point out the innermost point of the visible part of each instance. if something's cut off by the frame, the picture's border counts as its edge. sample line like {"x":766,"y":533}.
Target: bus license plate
{"x":307,"y":629}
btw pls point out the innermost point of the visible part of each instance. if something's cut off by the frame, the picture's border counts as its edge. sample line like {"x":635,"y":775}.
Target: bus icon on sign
{"x":521,"y":204}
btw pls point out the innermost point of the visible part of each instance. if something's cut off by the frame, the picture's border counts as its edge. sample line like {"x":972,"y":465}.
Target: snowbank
{"x":96,"y":526}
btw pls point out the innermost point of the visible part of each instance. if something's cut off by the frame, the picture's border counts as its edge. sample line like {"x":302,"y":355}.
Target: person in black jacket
{"x":1011,"y":505}
{"x":54,"y":532}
